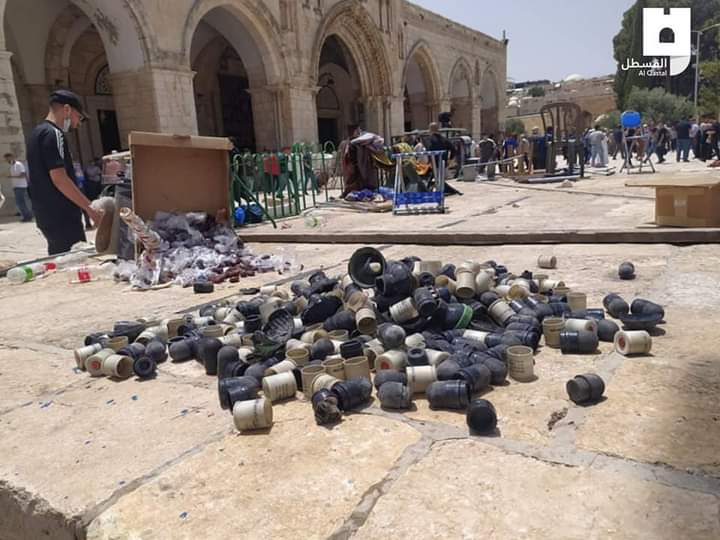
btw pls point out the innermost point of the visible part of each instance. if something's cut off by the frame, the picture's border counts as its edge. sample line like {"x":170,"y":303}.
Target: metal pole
{"x":697,"y":74}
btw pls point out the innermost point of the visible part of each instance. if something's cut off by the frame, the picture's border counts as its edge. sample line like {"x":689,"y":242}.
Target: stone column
{"x":374,"y":114}
{"x":156,"y":100}
{"x":12,"y":138}
{"x":476,"y":125}
{"x":298,"y":114}
{"x":266,"y":117}
{"x":397,"y":116}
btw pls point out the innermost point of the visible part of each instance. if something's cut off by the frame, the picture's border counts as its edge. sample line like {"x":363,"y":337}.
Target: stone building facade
{"x":266,"y":73}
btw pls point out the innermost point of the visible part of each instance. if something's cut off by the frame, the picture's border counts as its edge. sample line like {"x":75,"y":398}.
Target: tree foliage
{"x":657,"y":105}
{"x":628,"y":44}
{"x":710,"y":88}
{"x":513,"y":125}
{"x":536,"y":91}
{"x":609,"y":120}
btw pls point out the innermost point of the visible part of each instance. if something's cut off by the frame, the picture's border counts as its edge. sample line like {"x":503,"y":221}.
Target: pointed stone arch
{"x":351,"y":23}
{"x":422,"y":87}
{"x":489,"y":97}
{"x":461,"y":92}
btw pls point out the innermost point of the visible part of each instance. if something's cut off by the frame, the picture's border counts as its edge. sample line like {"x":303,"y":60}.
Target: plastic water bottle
{"x":21,"y":274}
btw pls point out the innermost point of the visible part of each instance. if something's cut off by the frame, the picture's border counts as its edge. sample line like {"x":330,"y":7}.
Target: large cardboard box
{"x":177,"y":173}
{"x":685,"y":201}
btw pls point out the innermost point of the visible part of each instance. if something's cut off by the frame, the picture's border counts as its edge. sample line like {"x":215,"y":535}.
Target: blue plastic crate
{"x":418,"y":198}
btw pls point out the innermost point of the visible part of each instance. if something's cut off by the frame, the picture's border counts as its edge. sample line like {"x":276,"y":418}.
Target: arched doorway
{"x":489,"y":103}
{"x":55,"y":44}
{"x":231,"y":85}
{"x":338,"y":100}
{"x":349,"y":33}
{"x":461,"y":95}
{"x":420,"y":89}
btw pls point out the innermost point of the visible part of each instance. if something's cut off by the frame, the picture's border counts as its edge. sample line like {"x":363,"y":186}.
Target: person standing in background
{"x":18,"y":173}
{"x":684,"y":139}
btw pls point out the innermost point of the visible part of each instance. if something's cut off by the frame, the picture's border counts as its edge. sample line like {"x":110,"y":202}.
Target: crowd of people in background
{"x":684,"y":139}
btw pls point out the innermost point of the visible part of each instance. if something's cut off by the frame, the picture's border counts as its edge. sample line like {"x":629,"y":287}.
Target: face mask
{"x":67,"y":124}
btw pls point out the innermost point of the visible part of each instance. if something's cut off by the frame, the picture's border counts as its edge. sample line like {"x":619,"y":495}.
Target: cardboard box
{"x":685,"y":201}
{"x":176,"y":173}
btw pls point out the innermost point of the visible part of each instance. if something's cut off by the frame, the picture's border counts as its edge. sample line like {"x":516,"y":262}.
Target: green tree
{"x":513,"y":125}
{"x":657,"y":105}
{"x":709,"y":99}
{"x":536,"y":91}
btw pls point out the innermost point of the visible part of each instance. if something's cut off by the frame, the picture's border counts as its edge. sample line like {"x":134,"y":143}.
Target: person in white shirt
{"x":18,"y":174}
{"x":596,"y":138}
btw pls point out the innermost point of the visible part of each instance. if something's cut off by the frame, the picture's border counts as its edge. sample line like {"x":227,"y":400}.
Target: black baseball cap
{"x":66,"y":97}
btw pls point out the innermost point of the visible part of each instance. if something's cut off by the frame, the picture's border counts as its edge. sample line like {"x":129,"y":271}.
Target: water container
{"x":630,"y":119}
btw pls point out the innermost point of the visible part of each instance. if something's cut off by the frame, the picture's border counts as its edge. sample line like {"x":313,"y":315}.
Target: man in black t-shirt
{"x":57,"y":201}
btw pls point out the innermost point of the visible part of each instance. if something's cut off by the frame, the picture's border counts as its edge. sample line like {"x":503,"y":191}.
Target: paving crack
{"x":412,"y":455}
{"x":96,"y":510}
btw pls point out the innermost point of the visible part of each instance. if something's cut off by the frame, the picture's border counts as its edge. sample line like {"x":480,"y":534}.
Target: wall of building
{"x":148,"y":46}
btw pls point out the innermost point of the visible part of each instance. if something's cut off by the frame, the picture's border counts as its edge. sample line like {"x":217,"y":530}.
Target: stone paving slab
{"x":660,"y":414}
{"x":465,"y":489}
{"x":28,"y":376}
{"x":524,"y":409}
{"x":45,"y":493}
{"x":80,"y":447}
{"x":297,"y":481}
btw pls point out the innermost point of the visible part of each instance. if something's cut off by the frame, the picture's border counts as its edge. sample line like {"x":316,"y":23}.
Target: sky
{"x":549,"y":39}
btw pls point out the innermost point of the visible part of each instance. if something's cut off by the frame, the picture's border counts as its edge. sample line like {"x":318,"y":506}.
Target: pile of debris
{"x":189,"y":248}
{"x":423,"y":327}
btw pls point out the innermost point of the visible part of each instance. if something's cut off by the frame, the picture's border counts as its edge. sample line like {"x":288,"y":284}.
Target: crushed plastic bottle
{"x":22,"y":274}
{"x":314,"y":221}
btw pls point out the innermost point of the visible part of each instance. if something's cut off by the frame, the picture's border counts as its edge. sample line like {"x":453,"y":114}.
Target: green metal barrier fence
{"x":287,"y":184}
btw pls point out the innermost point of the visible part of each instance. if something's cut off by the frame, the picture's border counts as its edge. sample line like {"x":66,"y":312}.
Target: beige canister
{"x":404,"y":311}
{"x":117,"y":342}
{"x":577,"y":300}
{"x":280,"y":386}
{"x":415,"y":341}
{"x":435,"y":358}
{"x":339,"y":335}
{"x":502,"y":290}
{"x":465,"y":283}
{"x":94,"y":362}
{"x":484,"y":281}
{"x":357,"y":367}
{"x":83,"y":353}
{"x":420,"y":377}
{"x":521,"y":363}
{"x":501,"y":311}
{"x":633,"y":342}
{"x":323,"y":380}
{"x":394,"y":359}
{"x":476,"y":335}
{"x":308,"y":374}
{"x":334,"y":367}
{"x":118,"y":366}
{"x":444,"y":281}
{"x":299,"y":356}
{"x":253,"y":414}
{"x":285,"y":366}
{"x":552,"y":326}
{"x":173,"y":325}
{"x":366,"y":321}
{"x":213,"y":331}
{"x":311,"y":336}
{"x":547,"y":261}
{"x":578,"y":325}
